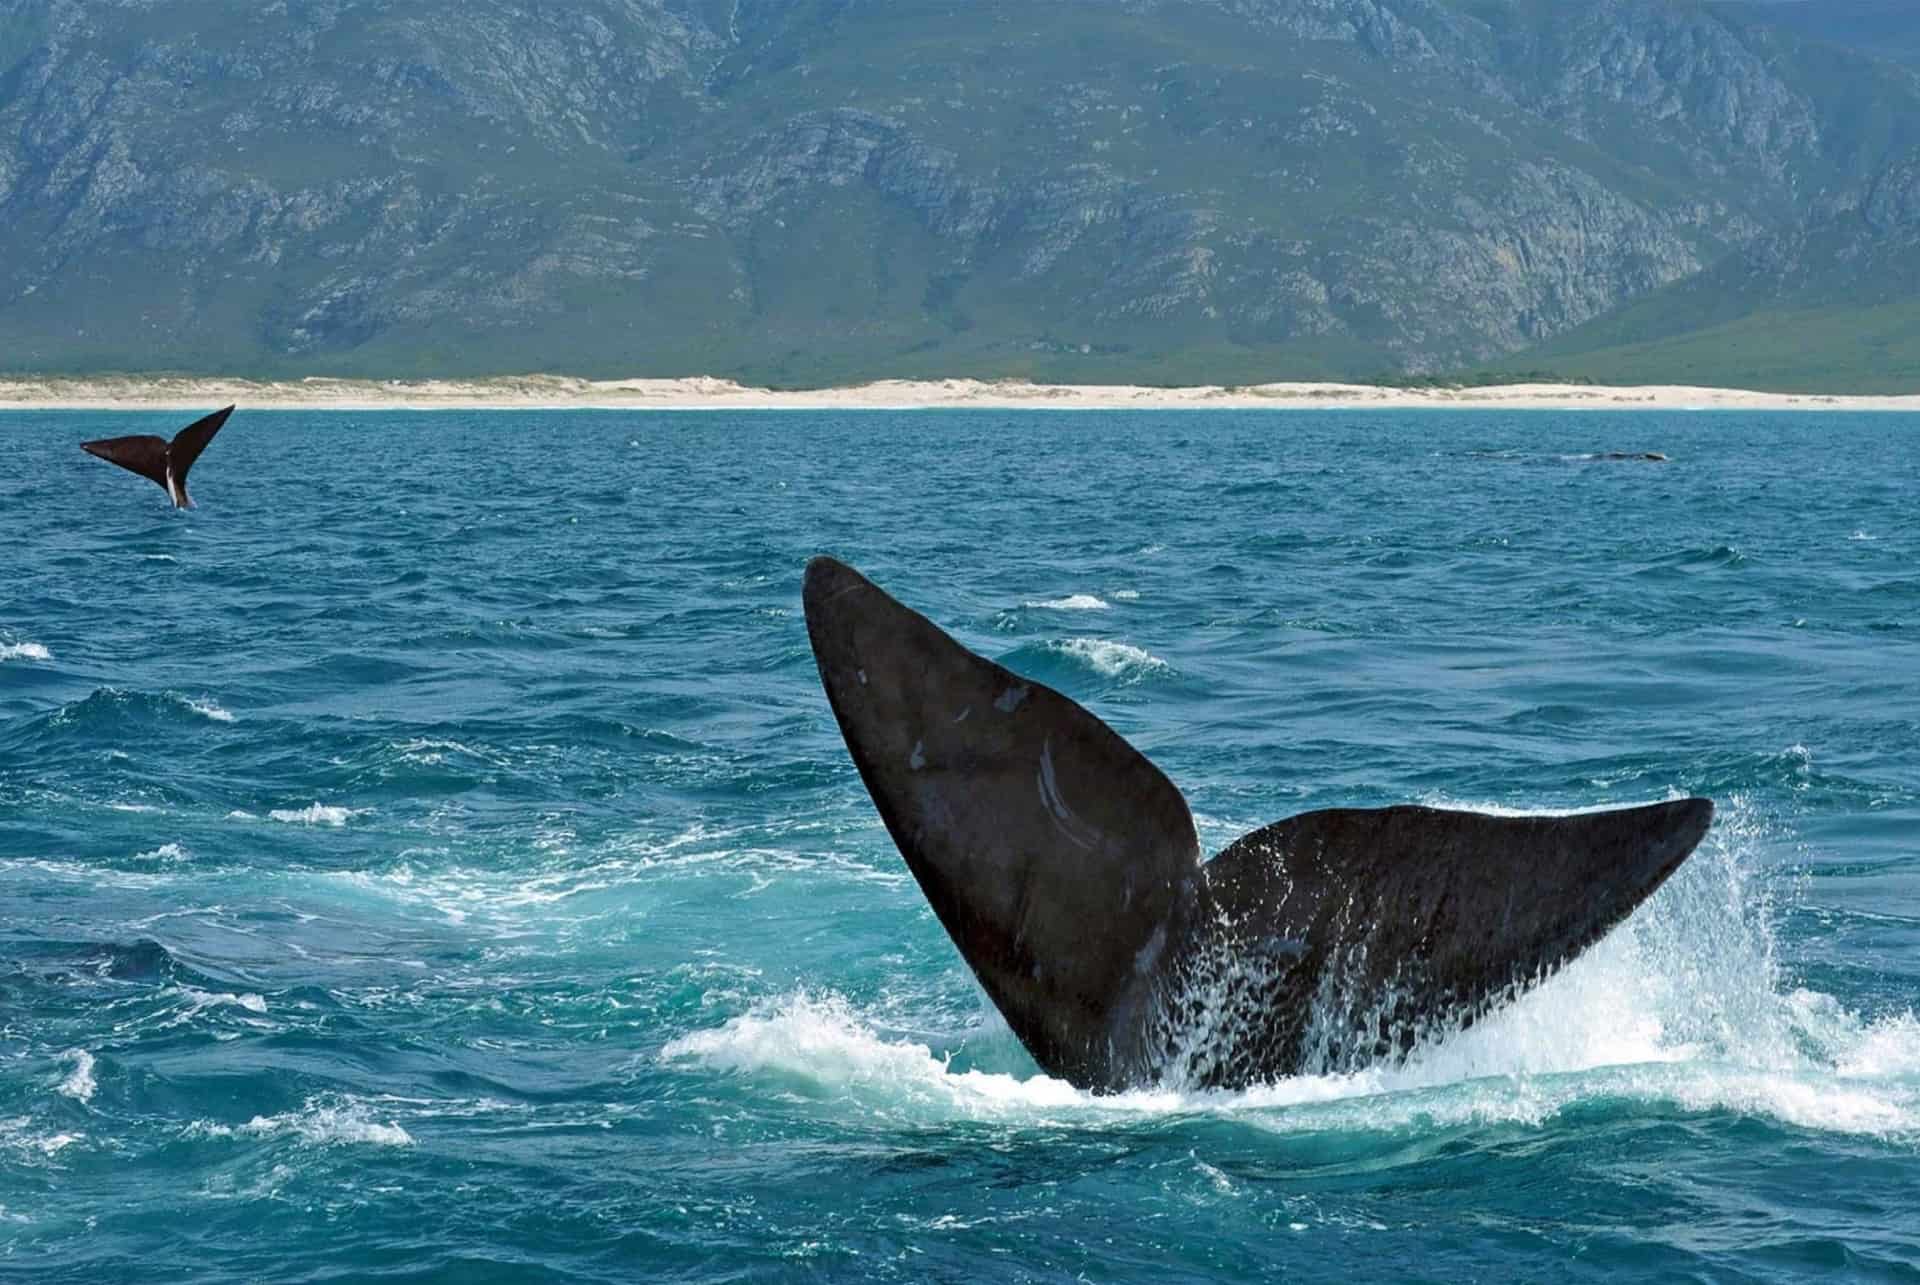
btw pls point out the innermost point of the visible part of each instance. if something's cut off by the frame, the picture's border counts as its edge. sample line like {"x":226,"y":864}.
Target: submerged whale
{"x":1066,"y":868}
{"x":163,"y":461}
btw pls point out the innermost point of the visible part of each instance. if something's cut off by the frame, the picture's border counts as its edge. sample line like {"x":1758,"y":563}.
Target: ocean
{"x":433,"y":858}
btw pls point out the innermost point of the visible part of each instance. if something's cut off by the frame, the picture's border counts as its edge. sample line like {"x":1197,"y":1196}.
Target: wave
{"x":433,"y":752}
{"x":1061,"y":660}
{"x":1867,"y":1084}
{"x":822,"y":1039}
{"x":457,"y":892}
{"x":1073,"y":602}
{"x":17,"y":1135}
{"x":1113,"y":659}
{"x":753,"y":859}
{"x":198,"y":1001}
{"x":319,"y":1122}
{"x":112,"y":714}
{"x":317,"y":814}
{"x":1681,"y":1008}
{"x":79,"y":1083}
{"x":1705,"y":558}
{"x":24,"y":651}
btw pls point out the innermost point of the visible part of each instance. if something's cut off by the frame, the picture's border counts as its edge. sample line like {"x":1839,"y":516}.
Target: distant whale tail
{"x":162,"y":461}
{"x":1066,"y":868}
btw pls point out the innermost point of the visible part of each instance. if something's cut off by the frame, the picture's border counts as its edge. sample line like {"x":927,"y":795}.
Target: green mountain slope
{"x":1830,"y":305}
{"x":808,"y":191}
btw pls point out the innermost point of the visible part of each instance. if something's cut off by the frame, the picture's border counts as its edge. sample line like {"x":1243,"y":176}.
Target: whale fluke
{"x":1066,"y":868}
{"x":155,"y":457}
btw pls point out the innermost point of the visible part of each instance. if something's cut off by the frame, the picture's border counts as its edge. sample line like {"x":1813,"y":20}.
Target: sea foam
{"x":1681,"y":1007}
{"x":198,"y":1001}
{"x":1112,"y":659}
{"x":18,"y":1135}
{"x":318,"y":814}
{"x":79,"y":1083}
{"x":319,"y":1122}
{"x":1073,"y":602}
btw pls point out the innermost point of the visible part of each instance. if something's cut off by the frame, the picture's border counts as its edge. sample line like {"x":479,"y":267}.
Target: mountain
{"x":808,"y":191}
{"x":1831,"y":305}
{"x":1884,"y":28}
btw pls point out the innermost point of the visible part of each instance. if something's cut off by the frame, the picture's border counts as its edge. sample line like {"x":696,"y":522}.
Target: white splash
{"x":24,"y":651}
{"x":434,"y":752}
{"x":1681,"y":1007}
{"x":207,"y":709}
{"x":318,"y":814}
{"x":198,"y":1001}
{"x":1112,"y":659}
{"x":165,"y":852}
{"x":17,"y":1135}
{"x":823,"y":1041}
{"x":1073,"y":602}
{"x":79,"y":1083}
{"x":318,"y":1123}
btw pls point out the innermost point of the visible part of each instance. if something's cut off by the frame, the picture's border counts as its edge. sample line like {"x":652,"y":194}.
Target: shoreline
{"x":697,"y":393}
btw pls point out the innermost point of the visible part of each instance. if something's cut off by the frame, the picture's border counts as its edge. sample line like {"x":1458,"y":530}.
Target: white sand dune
{"x":559,"y":392}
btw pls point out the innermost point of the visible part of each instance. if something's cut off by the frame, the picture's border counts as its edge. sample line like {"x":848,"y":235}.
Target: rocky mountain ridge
{"x":806,"y":191}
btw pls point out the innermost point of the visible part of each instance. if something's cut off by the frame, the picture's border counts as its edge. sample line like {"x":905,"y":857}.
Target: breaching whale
{"x":157,"y":458}
{"x":1066,"y":868}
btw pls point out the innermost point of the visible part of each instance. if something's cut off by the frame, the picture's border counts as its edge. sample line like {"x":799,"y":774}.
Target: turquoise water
{"x":433,"y":858}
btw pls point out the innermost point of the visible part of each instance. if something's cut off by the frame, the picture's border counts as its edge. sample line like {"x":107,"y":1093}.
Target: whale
{"x":1066,"y":868}
{"x":160,"y":460}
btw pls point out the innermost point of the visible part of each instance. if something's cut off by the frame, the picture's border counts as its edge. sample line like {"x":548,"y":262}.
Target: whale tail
{"x":1066,"y":868}
{"x":1402,"y":920}
{"x":158,"y":459}
{"x":1050,"y":849}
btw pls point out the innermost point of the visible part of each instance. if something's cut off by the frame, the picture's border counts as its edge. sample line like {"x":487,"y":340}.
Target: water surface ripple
{"x":433,"y":858}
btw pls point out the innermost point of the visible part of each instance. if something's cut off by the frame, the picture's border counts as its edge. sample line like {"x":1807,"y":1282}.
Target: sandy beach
{"x":557,"y":392}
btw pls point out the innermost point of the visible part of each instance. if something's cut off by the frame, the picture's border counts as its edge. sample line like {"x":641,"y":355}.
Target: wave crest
{"x":319,"y":1122}
{"x":79,"y":1083}
{"x":1072,"y":602}
{"x":318,"y":814}
{"x":1059,"y":661}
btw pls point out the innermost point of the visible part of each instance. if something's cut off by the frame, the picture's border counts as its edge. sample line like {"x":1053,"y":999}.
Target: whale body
{"x":1066,"y":868}
{"x":158,"y":459}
